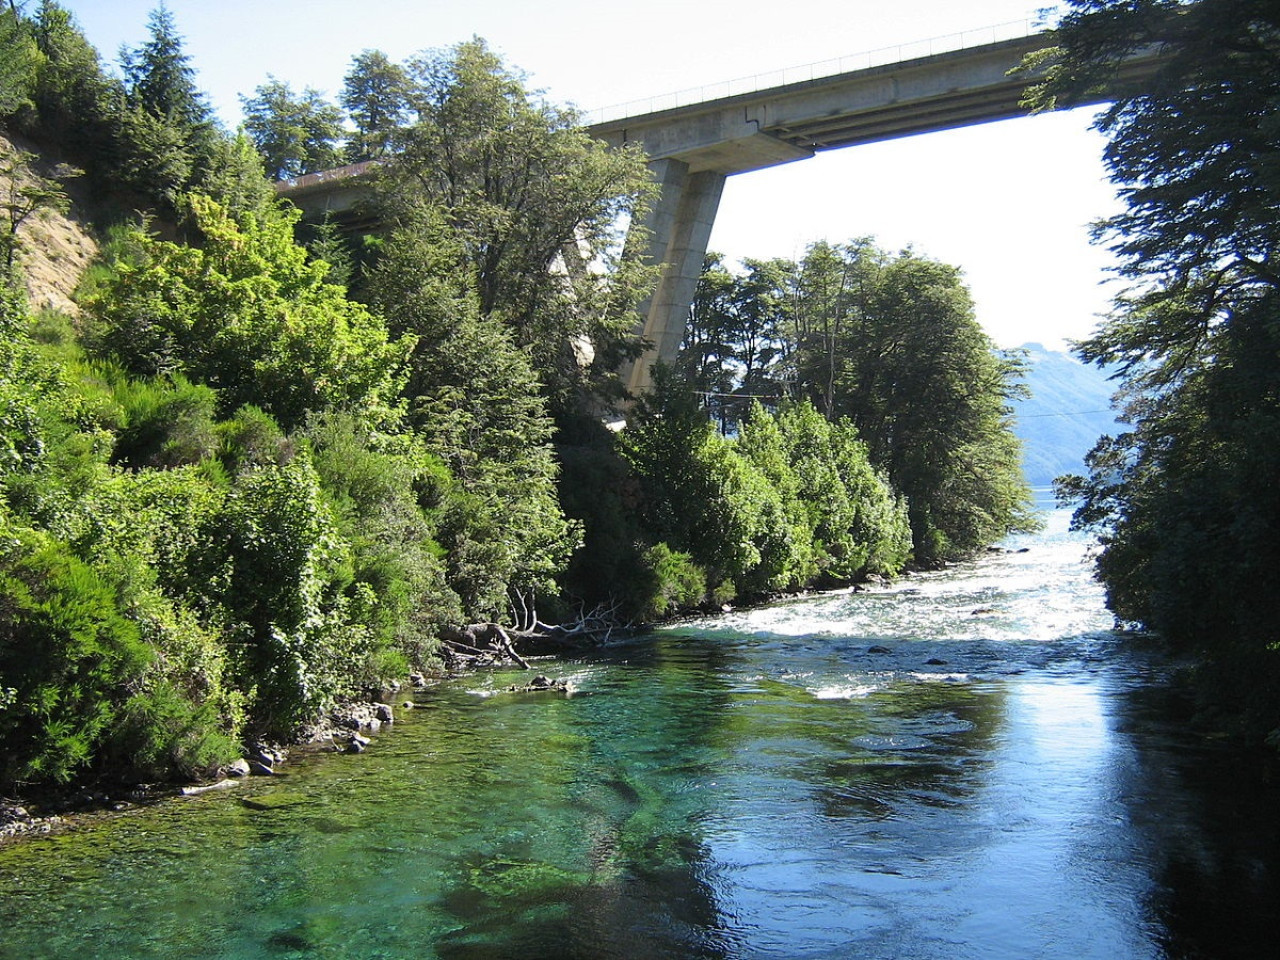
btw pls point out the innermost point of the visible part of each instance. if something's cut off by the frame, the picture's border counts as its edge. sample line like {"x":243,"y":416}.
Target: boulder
{"x":540,"y":684}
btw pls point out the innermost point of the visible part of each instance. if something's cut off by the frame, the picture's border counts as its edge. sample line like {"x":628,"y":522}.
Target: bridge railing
{"x":948,"y":43}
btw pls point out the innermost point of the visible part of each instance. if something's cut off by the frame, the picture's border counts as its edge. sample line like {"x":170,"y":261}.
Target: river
{"x":965,"y":764}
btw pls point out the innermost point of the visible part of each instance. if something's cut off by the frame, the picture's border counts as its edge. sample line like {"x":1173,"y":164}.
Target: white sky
{"x":1008,"y":202}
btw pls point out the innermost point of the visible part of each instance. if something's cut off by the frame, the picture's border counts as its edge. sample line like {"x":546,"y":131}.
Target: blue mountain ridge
{"x":1068,"y":410}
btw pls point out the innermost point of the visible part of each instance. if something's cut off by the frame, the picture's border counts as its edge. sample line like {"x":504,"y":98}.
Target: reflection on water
{"x":966,"y":764}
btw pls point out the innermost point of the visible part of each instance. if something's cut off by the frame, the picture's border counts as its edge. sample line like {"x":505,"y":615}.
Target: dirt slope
{"x":55,"y":250}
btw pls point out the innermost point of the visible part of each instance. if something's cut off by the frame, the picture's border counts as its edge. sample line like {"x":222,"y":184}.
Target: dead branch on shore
{"x":465,"y":644}
{"x":481,"y":644}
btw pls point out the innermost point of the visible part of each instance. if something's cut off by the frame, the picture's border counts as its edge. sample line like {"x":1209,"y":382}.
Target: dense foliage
{"x":539,"y":208}
{"x":792,"y":502}
{"x":249,"y":479}
{"x":1186,"y":499}
{"x":891,"y":344}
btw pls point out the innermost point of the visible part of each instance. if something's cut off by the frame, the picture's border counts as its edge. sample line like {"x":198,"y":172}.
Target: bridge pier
{"x":680,"y":224}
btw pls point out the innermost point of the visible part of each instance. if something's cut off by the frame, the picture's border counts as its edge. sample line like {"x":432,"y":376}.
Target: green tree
{"x":831,"y":294}
{"x":540,"y":208}
{"x":386,"y":493}
{"x":698,"y":495}
{"x":707,"y":351}
{"x":236,"y":180}
{"x":160,"y":79}
{"x":735,"y":336}
{"x":169,"y":127}
{"x":247,"y":314}
{"x":1185,"y":499}
{"x":477,"y":401}
{"x":375,"y":96}
{"x":929,"y":395}
{"x":76,"y":105}
{"x":275,"y":563}
{"x":68,"y":658}
{"x":19,"y":61}
{"x":294,"y":133}
{"x":23,"y":193}
{"x":892,"y":344}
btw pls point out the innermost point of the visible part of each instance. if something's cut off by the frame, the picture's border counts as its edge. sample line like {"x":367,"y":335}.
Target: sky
{"x":1008,"y":202}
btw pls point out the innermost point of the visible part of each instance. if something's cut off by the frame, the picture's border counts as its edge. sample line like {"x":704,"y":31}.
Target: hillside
{"x":1068,"y":410}
{"x":55,"y":249}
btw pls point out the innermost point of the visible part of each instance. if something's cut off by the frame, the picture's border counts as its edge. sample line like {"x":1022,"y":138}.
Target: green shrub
{"x":166,"y":423}
{"x":252,"y":439}
{"x":384,"y":491}
{"x":275,"y":566}
{"x":69,"y":657}
{"x":672,"y":582}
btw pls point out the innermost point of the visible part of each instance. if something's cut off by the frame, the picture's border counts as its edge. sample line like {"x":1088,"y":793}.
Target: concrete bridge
{"x":693,"y":149}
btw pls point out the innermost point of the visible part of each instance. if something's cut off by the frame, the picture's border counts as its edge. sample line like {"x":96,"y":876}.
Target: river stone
{"x":384,"y":712}
{"x":540,"y":684}
{"x":239,"y":769}
{"x":260,"y":769}
{"x":877,"y":648}
{"x":357,"y":744}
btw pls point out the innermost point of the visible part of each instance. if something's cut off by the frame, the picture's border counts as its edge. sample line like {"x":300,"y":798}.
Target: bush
{"x":166,"y":423}
{"x":252,"y":439}
{"x":275,"y":568}
{"x":69,"y":662}
{"x":384,"y":492}
{"x":673,"y":582}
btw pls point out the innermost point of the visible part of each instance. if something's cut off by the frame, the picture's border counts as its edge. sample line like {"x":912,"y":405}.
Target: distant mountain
{"x":1069,"y":408}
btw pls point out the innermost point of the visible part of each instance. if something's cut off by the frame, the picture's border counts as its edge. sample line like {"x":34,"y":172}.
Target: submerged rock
{"x":540,"y":684}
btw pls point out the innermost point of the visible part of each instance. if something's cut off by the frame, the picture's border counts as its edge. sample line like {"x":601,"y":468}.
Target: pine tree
{"x":375,"y":96}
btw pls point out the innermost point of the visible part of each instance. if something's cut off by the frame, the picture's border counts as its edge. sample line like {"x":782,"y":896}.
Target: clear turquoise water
{"x":760,"y":784}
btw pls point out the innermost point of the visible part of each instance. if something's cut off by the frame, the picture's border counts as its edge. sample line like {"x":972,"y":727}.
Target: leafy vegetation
{"x":253,"y":478}
{"x":1185,"y":499}
{"x":889,"y":343}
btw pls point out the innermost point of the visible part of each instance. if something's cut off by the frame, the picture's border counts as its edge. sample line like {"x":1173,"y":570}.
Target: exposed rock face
{"x":55,"y":249}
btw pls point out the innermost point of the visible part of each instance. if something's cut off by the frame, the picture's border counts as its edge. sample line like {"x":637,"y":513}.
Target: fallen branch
{"x":220,"y":785}
{"x":469,"y":637}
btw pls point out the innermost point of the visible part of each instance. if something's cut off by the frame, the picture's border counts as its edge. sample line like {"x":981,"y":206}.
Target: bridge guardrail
{"x":882,"y":56}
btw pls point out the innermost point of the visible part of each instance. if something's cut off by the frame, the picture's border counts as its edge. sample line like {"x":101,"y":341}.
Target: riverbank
{"x":967,"y":765}
{"x":347,"y":727}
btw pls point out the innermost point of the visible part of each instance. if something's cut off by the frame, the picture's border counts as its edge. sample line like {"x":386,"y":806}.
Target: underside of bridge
{"x":693,"y":149}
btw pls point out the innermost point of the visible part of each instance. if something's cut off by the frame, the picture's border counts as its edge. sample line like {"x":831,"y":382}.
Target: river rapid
{"x":965,"y":764}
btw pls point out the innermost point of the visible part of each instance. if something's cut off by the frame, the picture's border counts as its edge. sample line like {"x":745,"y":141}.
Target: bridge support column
{"x":681,"y":222}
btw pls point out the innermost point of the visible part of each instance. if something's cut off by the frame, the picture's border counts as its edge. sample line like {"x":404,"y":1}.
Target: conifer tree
{"x":375,"y":95}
